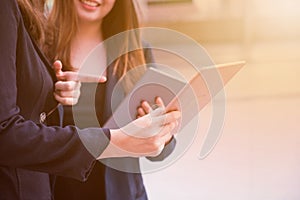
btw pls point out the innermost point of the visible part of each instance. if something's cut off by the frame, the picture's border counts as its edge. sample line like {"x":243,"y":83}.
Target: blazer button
{"x":43,"y":116}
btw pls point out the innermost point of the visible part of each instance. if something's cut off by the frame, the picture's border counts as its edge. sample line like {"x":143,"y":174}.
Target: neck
{"x":87,"y":38}
{"x":89,"y":32}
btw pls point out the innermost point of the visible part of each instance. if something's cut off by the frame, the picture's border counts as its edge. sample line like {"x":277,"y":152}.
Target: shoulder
{"x":10,"y":17}
{"x":147,"y":48}
{"x":9,"y":11}
{"x":9,"y":6}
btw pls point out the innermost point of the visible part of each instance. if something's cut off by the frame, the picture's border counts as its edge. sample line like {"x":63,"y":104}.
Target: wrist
{"x":114,"y":149}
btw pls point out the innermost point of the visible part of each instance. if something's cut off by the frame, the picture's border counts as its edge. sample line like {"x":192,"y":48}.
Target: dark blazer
{"x":29,"y":150}
{"x":105,"y":182}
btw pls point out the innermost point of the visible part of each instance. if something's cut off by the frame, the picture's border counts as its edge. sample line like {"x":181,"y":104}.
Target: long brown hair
{"x":123,"y":17}
{"x":34,"y":18}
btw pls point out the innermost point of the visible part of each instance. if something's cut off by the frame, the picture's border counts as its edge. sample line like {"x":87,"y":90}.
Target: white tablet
{"x":189,"y":96}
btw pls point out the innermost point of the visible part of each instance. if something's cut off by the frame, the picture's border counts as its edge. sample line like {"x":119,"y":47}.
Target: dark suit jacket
{"x":30,"y":150}
{"x":104,"y":181}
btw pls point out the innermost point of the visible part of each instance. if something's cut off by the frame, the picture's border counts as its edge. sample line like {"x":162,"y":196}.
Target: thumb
{"x":57,"y":67}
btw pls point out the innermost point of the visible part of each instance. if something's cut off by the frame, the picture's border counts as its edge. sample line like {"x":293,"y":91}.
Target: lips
{"x":90,"y":3}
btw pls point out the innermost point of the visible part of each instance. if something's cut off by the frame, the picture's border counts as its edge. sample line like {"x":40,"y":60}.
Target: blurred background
{"x":258,"y":154}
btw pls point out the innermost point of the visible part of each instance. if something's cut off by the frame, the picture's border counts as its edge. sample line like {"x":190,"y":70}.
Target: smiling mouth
{"x":90,"y":3}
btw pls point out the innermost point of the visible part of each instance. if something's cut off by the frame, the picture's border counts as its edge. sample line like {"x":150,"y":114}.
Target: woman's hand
{"x":145,"y":136}
{"x":146,"y":108}
{"x":67,"y":88}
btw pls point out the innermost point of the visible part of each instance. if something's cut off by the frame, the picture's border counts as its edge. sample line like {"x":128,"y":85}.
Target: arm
{"x":23,"y":142}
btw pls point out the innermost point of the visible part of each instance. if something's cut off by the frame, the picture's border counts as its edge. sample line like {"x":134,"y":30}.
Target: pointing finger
{"x":75,"y":76}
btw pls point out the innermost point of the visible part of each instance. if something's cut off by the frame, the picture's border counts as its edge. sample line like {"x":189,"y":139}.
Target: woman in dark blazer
{"x":30,"y":149}
{"x":104,"y":181}
{"x":104,"y":22}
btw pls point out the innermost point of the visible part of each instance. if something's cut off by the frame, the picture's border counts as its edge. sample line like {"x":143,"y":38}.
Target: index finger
{"x":85,"y":78}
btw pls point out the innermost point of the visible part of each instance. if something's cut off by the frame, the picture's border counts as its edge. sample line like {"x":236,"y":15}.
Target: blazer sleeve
{"x":24,"y":144}
{"x":172,"y":144}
